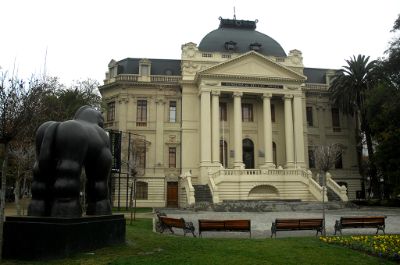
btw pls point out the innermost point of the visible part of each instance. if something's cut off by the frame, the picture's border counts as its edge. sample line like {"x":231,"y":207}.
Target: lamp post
{"x":323,"y":202}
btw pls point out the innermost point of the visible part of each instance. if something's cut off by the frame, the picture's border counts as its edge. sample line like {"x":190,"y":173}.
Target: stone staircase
{"x":202,"y":193}
{"x":332,"y":196}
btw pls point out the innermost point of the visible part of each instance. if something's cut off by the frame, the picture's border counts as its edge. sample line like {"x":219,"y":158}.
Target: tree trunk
{"x":17,"y":194}
{"x":359,"y":154}
{"x":3,"y":195}
{"x":372,"y":168}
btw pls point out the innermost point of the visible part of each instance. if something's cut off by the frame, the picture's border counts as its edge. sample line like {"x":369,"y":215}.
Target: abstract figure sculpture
{"x":62,"y":149}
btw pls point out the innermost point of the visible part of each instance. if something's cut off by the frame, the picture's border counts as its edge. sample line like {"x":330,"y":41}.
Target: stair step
{"x":202,"y":193}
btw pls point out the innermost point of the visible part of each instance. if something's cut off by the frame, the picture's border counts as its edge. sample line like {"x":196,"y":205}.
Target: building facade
{"x":235,"y":114}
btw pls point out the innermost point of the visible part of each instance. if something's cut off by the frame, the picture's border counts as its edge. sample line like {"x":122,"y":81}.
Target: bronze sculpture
{"x":62,"y":149}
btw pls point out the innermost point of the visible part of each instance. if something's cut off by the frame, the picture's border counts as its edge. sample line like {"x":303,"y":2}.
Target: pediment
{"x":252,"y":64}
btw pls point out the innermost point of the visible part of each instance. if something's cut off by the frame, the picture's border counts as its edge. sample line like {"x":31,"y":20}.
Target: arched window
{"x":274,"y":153}
{"x":223,"y":153}
{"x":248,"y":153}
{"x":263,"y":192}
{"x":141,"y":190}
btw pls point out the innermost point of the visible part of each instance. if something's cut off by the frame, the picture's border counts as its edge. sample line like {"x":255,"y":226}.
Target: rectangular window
{"x":144,"y":70}
{"x":311,"y":158}
{"x":309,"y":114}
{"x":335,"y":120}
{"x":111,"y":111}
{"x":247,"y":112}
{"x":140,"y":157}
{"x":142,"y":190}
{"x":339,"y":161}
{"x":223,"y":115}
{"x":223,"y":153}
{"x":272,"y":113}
{"x":172,"y":111}
{"x":141,"y":115}
{"x":172,"y":157}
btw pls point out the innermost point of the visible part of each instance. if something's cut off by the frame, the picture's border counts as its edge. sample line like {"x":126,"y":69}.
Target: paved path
{"x":261,"y":221}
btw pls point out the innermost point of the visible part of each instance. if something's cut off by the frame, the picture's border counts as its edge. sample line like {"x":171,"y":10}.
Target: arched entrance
{"x":248,"y":153}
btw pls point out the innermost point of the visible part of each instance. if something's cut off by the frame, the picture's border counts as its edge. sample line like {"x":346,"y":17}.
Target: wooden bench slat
{"x":225,"y":225}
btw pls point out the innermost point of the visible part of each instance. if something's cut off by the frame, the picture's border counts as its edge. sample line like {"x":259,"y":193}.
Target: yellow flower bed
{"x":381,"y":245}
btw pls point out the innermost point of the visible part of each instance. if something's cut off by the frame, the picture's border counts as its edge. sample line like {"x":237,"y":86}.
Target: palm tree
{"x":348,"y":91}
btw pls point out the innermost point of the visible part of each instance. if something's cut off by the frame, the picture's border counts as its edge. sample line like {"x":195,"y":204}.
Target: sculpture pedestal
{"x":50,"y":237}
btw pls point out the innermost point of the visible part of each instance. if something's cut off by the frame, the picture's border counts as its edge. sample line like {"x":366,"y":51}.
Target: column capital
{"x":204,"y":90}
{"x":237,"y":94}
{"x":216,"y":93}
{"x":160,"y":101}
{"x":267,"y":95}
{"x":288,"y":96}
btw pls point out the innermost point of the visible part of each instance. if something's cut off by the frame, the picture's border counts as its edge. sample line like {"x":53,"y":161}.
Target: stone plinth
{"x":49,"y":237}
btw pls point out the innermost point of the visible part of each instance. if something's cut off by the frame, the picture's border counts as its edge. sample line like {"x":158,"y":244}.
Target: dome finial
{"x":234,"y":13}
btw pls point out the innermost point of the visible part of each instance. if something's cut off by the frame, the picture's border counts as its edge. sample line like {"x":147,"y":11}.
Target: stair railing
{"x":213,"y":188}
{"x":340,"y":191}
{"x":189,"y":189}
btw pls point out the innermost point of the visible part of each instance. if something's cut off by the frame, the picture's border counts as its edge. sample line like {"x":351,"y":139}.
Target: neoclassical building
{"x":235,"y":117}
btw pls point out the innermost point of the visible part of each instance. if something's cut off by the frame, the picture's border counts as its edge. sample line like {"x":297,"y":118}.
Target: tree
{"x":348,"y":92}
{"x":383,"y":108}
{"x":325,"y":157}
{"x":19,"y":103}
{"x":22,"y":154}
{"x":62,"y":103}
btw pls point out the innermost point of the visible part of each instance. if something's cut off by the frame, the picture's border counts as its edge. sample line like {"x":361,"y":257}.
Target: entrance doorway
{"x":248,"y":153}
{"x":172,"y":194}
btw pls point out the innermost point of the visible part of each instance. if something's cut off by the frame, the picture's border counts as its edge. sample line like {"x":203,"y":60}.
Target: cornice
{"x":255,"y":54}
{"x":247,"y":77}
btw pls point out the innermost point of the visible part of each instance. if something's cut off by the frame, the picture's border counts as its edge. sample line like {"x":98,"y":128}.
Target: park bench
{"x":224,"y":225}
{"x":165,"y":223}
{"x":377,"y":222}
{"x":297,"y":224}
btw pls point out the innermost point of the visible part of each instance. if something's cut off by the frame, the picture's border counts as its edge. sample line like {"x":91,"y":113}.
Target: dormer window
{"x":144,"y":67}
{"x":255,"y":46}
{"x":230,"y":45}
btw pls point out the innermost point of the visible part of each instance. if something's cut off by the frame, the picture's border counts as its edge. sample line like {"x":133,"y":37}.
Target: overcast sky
{"x":82,"y":36}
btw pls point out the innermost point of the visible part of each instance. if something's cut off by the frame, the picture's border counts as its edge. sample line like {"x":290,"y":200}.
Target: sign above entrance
{"x":251,"y":85}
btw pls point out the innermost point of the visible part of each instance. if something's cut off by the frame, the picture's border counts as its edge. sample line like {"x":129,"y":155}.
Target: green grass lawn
{"x":145,"y":247}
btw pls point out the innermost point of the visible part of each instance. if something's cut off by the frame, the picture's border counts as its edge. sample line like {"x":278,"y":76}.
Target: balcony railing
{"x":136,"y":78}
{"x":317,"y":87}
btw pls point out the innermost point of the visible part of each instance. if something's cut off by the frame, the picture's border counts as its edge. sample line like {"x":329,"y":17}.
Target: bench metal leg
{"x":273,"y":230}
{"x":338,"y":227}
{"x":189,"y":228}
{"x":380,"y":227}
{"x":319,"y":230}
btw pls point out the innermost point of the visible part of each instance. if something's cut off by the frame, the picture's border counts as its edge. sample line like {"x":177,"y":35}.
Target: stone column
{"x":215,"y":127}
{"x":205,"y":127}
{"x":321,"y":124}
{"x":299,"y":131}
{"x":237,"y":130}
{"x":123,"y":112}
{"x":268,"y":159}
{"x":289,"y":131}
{"x":160,"y":103}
